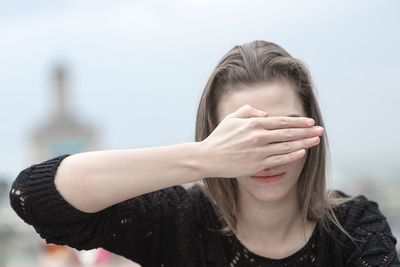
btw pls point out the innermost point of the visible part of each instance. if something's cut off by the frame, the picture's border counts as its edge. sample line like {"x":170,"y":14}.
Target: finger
{"x":247,"y":111}
{"x":291,"y":146}
{"x":282,"y":135}
{"x":281,"y":159}
{"x":281,"y":122}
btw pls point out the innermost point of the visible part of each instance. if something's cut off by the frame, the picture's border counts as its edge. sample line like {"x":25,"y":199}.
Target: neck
{"x":268,"y":221}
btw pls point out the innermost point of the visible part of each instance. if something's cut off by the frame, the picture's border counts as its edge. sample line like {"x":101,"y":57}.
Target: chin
{"x":267,"y":193}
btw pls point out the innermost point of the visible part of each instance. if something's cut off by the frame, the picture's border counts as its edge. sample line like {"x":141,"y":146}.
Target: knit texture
{"x":174,"y":227}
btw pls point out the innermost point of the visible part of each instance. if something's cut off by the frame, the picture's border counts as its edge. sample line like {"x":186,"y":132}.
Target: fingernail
{"x":319,"y":129}
{"x":310,"y":122}
{"x":315,"y":139}
{"x":301,"y":152}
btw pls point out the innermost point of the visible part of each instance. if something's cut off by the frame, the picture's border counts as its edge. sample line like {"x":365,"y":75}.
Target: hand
{"x":246,"y":142}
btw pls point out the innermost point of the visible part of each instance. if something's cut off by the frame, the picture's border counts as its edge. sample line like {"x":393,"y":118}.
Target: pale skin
{"x":245,"y":142}
{"x":269,"y":220}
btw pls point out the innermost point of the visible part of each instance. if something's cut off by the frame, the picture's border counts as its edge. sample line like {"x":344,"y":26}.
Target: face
{"x":277,"y":99}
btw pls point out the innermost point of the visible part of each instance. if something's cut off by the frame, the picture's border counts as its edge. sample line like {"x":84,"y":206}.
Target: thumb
{"x":247,"y":111}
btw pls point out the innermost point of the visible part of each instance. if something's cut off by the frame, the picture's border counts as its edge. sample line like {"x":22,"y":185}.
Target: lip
{"x":268,"y":178}
{"x":268,"y":173}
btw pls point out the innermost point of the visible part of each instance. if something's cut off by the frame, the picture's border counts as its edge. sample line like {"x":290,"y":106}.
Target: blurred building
{"x":62,"y":133}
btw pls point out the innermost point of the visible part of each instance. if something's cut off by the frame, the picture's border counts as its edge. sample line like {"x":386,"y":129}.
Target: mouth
{"x":270,"y":173}
{"x":267,"y":177}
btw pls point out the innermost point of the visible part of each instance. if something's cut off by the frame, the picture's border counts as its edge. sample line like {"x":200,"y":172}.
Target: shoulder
{"x":364,"y":221}
{"x":360,"y":214}
{"x":204,"y":206}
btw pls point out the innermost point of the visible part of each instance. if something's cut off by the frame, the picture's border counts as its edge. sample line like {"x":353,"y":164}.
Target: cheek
{"x":296,"y":166}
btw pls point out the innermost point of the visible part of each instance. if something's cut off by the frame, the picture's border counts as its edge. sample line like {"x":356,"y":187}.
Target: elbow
{"x":71,"y":183}
{"x":17,"y":195}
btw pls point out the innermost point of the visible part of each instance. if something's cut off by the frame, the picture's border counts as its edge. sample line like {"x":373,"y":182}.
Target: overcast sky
{"x":137,"y":68}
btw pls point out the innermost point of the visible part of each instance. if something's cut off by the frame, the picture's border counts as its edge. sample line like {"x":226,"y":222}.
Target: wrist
{"x":197,"y":161}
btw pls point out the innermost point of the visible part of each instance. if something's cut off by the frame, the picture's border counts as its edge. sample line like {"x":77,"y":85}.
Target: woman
{"x":260,"y":150}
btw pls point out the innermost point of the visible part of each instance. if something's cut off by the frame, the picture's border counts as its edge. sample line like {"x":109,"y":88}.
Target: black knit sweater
{"x":173,"y":227}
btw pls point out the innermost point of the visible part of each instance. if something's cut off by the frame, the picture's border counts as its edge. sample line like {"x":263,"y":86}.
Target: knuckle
{"x":289,"y":134}
{"x":251,"y":154}
{"x":277,"y":160}
{"x":252,"y":123}
{"x":284,"y":121}
{"x":255,"y":138}
{"x":268,"y":135}
{"x":286,"y":146}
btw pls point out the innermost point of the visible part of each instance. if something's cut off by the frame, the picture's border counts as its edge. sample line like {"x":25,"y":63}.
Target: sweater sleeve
{"x":139,"y":229}
{"x":376,"y":245}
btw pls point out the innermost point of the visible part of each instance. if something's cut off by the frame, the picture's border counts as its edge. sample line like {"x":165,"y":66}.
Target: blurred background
{"x":88,"y":75}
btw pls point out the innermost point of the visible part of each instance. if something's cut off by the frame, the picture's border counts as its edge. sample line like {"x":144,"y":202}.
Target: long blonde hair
{"x":255,"y":63}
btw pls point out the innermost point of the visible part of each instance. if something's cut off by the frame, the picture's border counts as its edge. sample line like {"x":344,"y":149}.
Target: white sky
{"x":138,"y":68}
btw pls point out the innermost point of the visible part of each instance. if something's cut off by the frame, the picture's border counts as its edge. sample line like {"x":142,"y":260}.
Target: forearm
{"x":93,"y":181}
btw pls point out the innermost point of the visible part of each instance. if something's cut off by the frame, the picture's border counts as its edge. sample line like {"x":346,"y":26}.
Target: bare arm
{"x":239,"y":146}
{"x":92,"y":181}
{"x":244,"y":143}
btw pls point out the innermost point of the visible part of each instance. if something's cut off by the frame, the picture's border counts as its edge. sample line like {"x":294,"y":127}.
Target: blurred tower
{"x":62,"y":133}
